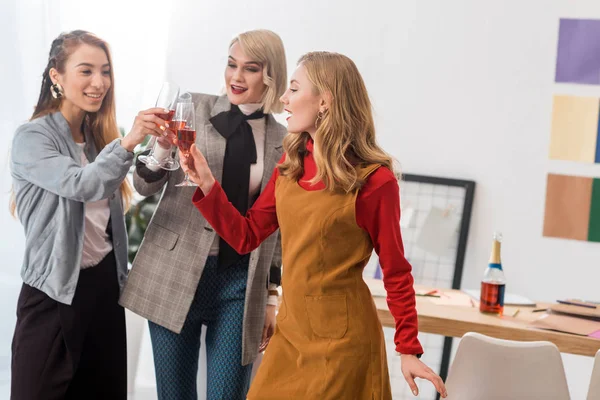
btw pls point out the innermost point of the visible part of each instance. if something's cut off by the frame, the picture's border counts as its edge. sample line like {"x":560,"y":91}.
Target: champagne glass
{"x":167,"y":98}
{"x":185,"y":119}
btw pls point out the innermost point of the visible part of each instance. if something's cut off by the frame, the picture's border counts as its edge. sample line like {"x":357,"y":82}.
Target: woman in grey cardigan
{"x":69,"y":165}
{"x":184,"y":276}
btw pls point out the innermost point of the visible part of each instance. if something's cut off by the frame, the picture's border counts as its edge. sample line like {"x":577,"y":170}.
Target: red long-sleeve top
{"x":377,"y":212}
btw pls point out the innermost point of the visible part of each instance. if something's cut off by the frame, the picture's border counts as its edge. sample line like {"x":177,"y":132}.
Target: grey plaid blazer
{"x":166,"y":271}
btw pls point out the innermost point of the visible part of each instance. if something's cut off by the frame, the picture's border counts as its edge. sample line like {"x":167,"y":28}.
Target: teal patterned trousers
{"x":218,"y":304}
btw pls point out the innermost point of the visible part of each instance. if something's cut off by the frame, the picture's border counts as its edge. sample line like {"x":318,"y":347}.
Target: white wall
{"x":461,"y":89}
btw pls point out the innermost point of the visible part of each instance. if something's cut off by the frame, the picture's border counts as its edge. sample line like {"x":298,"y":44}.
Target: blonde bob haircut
{"x":266,"y":48}
{"x":345,"y":136}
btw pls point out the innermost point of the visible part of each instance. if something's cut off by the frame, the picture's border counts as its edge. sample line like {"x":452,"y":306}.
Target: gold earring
{"x":57,"y":91}
{"x":319,"y":118}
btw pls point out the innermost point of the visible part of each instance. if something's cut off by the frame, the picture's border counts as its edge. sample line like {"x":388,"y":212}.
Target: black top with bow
{"x":240,"y":153}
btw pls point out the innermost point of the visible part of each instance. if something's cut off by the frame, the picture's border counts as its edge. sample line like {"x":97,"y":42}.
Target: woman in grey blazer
{"x":68,"y":166}
{"x":184,"y":276}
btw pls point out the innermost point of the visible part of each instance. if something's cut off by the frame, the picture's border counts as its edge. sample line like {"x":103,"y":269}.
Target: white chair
{"x":489,"y":368}
{"x":594,"y":390}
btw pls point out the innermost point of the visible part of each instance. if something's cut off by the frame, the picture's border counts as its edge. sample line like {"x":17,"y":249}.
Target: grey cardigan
{"x":51,"y":188}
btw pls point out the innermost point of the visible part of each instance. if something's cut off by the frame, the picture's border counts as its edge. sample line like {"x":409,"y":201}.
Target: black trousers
{"x":76,"y":351}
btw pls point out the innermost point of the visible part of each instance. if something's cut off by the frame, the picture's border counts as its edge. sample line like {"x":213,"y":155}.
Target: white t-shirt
{"x":96,"y":243}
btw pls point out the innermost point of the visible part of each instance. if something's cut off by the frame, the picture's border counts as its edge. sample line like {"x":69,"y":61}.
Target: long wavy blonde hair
{"x":345,"y":136}
{"x":103,"y":123}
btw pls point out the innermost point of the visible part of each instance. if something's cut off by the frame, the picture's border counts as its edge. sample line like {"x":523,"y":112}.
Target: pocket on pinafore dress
{"x":327,"y":315}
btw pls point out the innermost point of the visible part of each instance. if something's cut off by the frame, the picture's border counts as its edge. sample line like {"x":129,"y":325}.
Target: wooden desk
{"x":457,"y":320}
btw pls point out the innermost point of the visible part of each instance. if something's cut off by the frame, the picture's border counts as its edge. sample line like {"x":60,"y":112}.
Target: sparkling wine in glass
{"x":186,"y":133}
{"x":167,"y":99}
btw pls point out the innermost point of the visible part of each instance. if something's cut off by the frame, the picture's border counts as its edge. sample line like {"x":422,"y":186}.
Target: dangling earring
{"x":57,"y":91}
{"x":319,"y":118}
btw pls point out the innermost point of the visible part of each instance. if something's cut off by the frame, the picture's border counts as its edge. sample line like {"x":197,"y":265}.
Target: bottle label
{"x":492,"y":298}
{"x":495,"y":265}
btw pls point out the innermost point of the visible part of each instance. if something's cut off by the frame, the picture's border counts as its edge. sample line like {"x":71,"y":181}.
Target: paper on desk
{"x":510,"y":299}
{"x":567,"y":324}
{"x":453,"y":298}
{"x":378,"y":289}
{"x":438,"y":231}
{"x":595,"y":335}
{"x":576,"y":311}
{"x":449,"y":298}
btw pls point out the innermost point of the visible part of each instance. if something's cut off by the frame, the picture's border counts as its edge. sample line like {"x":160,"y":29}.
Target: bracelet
{"x":273,"y":293}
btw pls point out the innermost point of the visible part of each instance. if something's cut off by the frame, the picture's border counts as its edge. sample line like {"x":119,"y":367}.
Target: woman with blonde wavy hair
{"x":69,"y":166}
{"x":334,"y":198}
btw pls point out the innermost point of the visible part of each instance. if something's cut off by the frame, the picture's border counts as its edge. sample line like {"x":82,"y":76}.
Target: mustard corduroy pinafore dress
{"x":328,"y":343}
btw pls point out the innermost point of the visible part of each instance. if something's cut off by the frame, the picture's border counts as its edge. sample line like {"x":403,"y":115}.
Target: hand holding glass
{"x":167,"y":99}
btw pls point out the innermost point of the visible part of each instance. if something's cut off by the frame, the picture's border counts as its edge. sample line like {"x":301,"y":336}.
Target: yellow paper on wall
{"x":574,"y":128}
